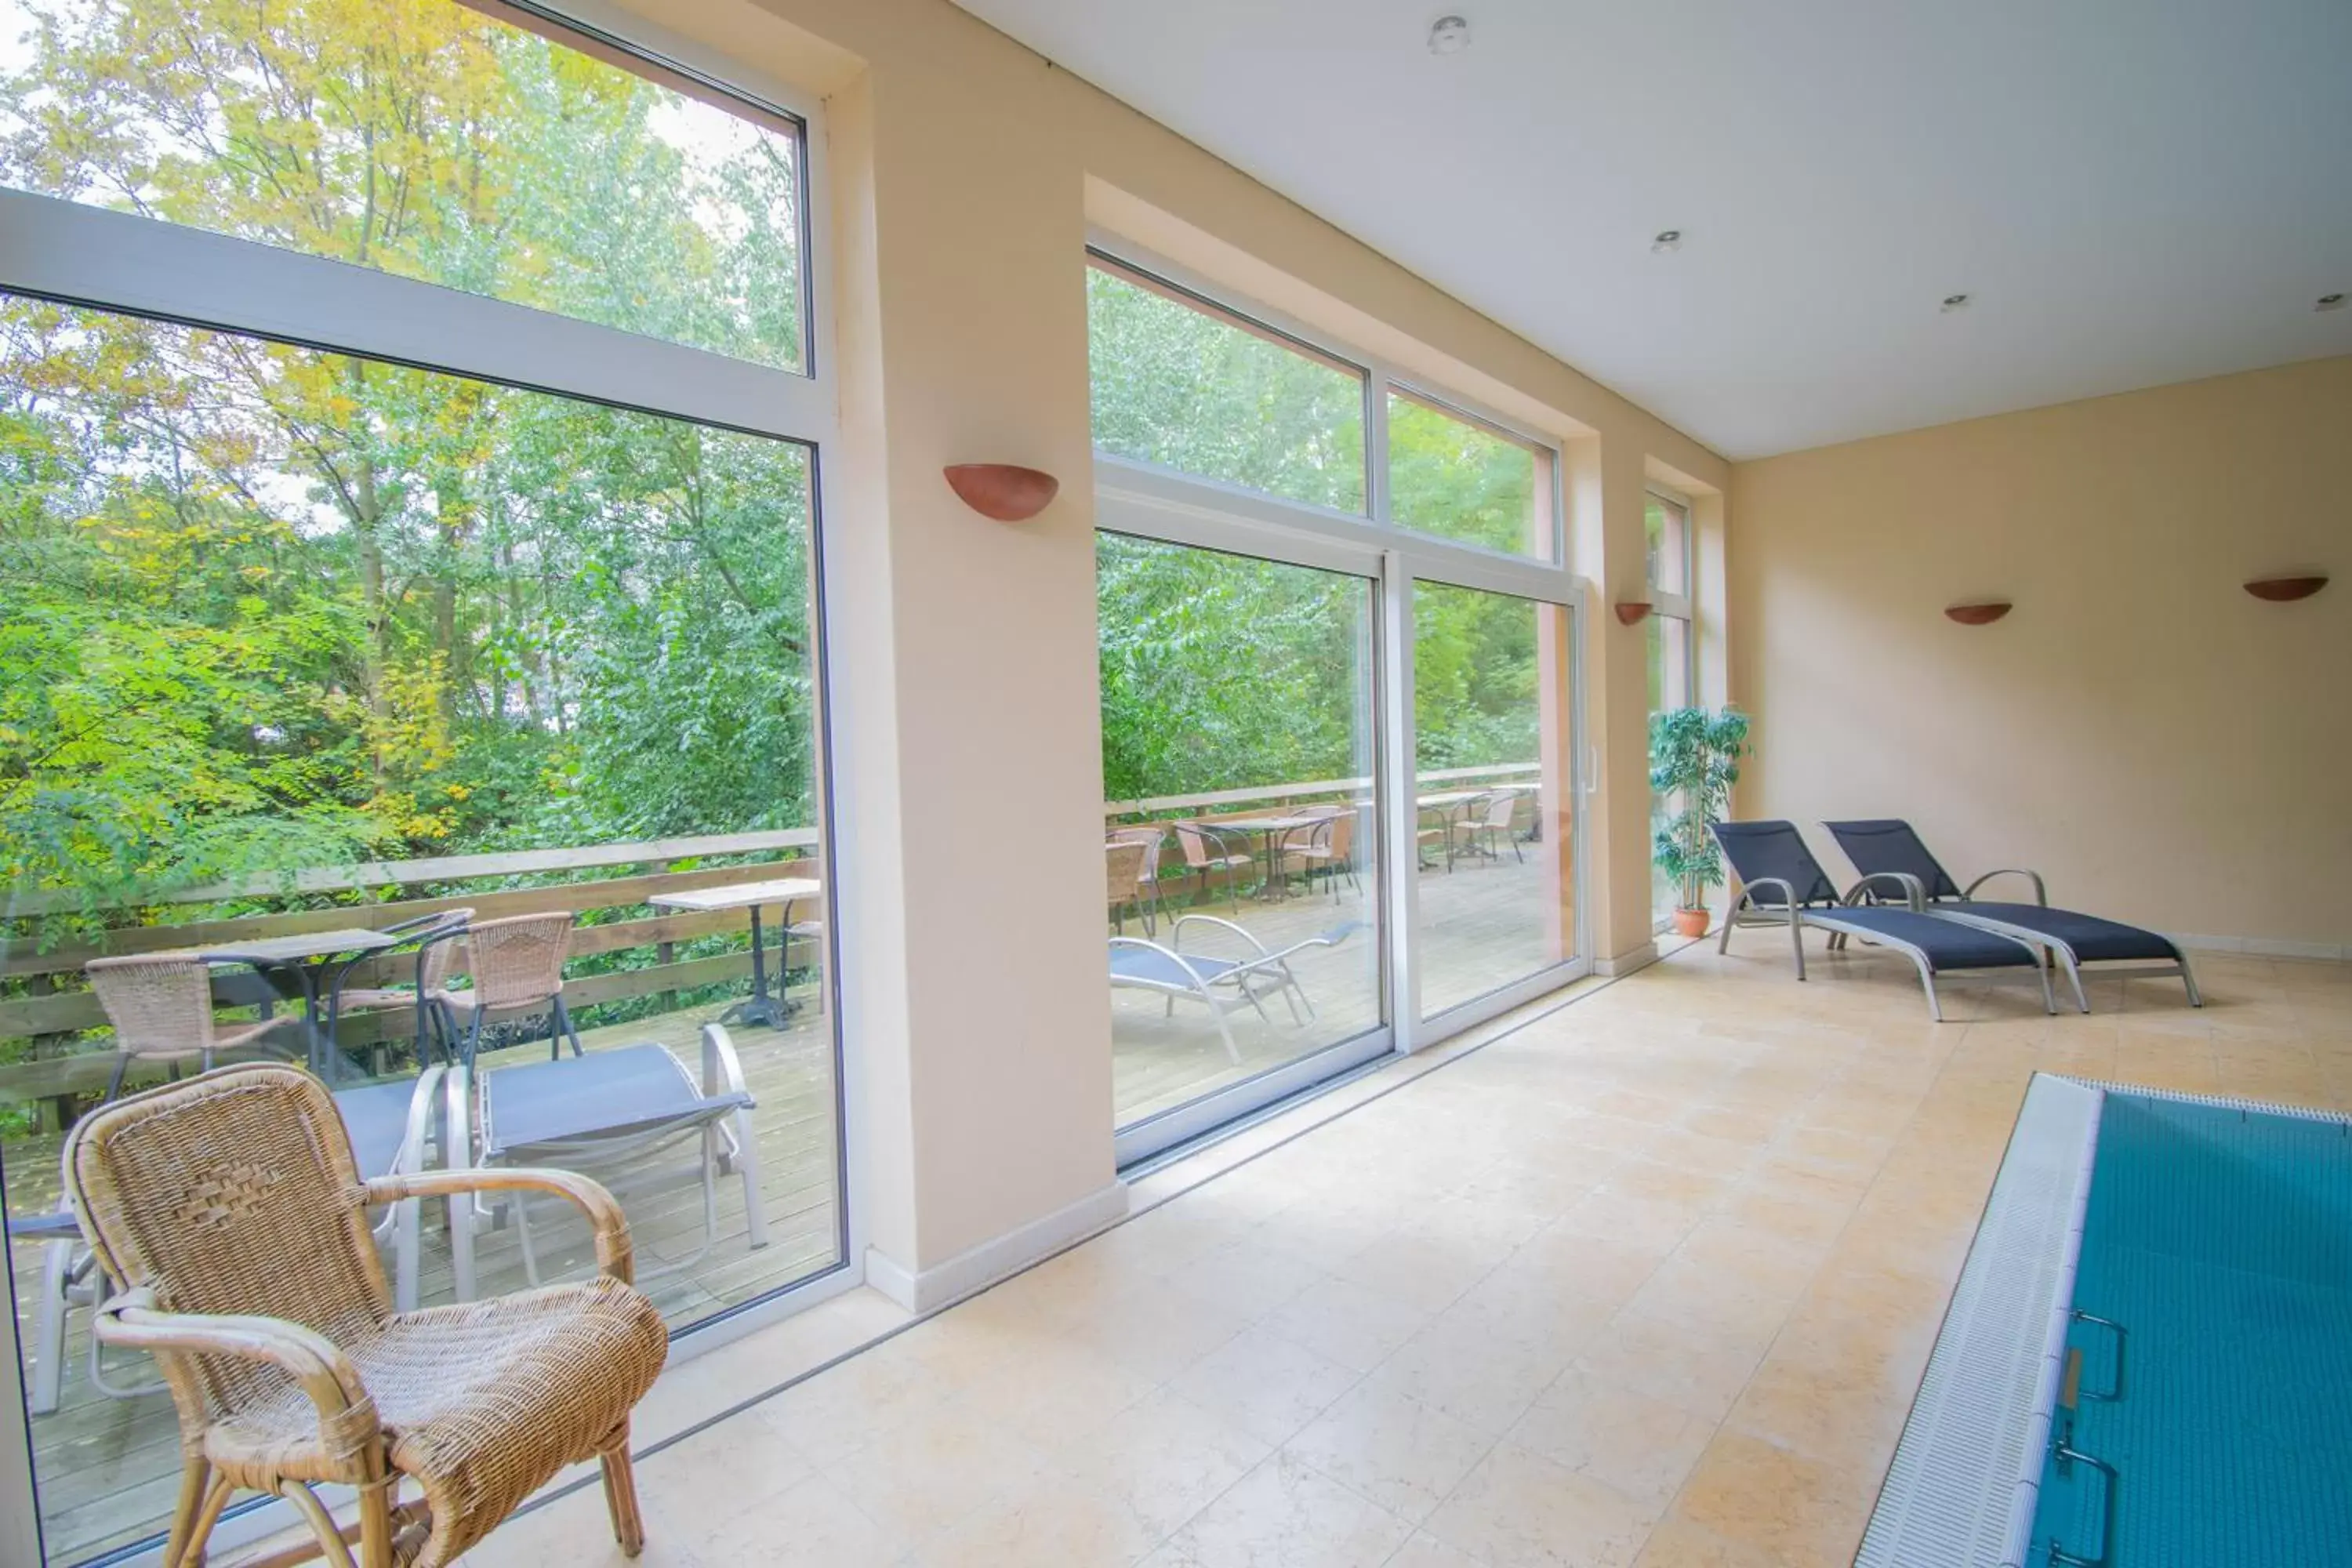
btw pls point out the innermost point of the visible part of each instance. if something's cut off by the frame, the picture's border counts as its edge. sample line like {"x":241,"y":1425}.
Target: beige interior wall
{"x":2166,"y":748}
{"x":966,"y":170}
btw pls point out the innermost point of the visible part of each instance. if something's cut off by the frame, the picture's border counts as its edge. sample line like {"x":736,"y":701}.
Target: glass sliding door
{"x":1494,"y":778}
{"x":1241,"y":842}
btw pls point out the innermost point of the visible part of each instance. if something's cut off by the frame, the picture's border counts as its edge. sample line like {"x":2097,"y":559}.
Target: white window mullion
{"x":87,"y":256}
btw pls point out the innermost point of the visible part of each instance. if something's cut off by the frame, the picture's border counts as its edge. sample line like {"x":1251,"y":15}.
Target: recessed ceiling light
{"x":1667,"y":239}
{"x":1449,"y":35}
{"x":1954,"y":302}
{"x":2329,"y":302}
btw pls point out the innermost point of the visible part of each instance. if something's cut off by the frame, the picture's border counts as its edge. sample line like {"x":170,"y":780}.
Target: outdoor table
{"x":1274,"y":828}
{"x":304,"y":960}
{"x":760,"y":1007}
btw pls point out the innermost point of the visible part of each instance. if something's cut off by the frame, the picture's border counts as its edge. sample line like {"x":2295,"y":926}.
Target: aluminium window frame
{"x":1682,"y":609}
{"x":1154,"y":501}
{"x":91,"y":257}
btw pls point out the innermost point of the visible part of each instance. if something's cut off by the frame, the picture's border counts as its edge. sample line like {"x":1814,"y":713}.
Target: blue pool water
{"x":2221,"y":1240}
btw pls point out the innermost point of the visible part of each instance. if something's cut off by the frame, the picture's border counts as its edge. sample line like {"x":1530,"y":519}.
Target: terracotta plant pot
{"x":1690,"y":922}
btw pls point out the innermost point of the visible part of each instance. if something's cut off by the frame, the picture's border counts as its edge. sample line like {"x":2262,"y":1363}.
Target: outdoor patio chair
{"x":1888,"y":847}
{"x":1781,"y":883}
{"x":1208,"y":849}
{"x":233,"y":1211}
{"x":391,"y":1127}
{"x":1123,"y":863}
{"x":517,"y":964}
{"x":1331,"y":847}
{"x":1488,"y":828}
{"x":1153,"y":838}
{"x":433,"y":940}
{"x":1222,"y":984}
{"x":610,"y":1114}
{"x":162,"y":1009}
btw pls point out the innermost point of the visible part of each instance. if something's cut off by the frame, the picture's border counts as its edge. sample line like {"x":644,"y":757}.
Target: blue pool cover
{"x":2221,"y":1240}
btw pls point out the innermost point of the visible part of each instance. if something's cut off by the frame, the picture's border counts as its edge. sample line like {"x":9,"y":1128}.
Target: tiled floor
{"x":1649,"y":1282}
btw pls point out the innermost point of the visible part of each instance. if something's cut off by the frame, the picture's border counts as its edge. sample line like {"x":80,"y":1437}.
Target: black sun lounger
{"x":1780,"y":878}
{"x":1888,"y":847}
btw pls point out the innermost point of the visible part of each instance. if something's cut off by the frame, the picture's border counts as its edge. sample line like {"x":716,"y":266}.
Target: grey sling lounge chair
{"x":1222,"y":984}
{"x":1781,"y":880}
{"x":1888,"y":847}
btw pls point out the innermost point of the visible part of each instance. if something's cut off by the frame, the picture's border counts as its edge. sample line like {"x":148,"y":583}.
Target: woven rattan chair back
{"x":518,"y":962}
{"x":440,"y":952}
{"x":160,"y":1008}
{"x":1122,"y":871}
{"x":1151,"y":839}
{"x":234,"y":1193}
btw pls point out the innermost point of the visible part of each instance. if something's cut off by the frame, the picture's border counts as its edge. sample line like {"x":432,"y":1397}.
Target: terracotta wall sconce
{"x":1633,"y":612}
{"x":2285,"y":590}
{"x":1982,"y":612}
{"x":1002,"y":490}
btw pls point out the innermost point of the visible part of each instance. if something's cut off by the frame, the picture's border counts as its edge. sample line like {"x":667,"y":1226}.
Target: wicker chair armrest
{"x":614,"y":1254}
{"x":327,"y":1377}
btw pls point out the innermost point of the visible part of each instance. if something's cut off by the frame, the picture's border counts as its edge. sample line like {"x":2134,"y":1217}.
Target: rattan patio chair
{"x":517,"y":964}
{"x":1208,"y":848}
{"x":232,"y":1211}
{"x":160,"y":1005}
{"x":434,"y":944}
{"x":1123,"y":862}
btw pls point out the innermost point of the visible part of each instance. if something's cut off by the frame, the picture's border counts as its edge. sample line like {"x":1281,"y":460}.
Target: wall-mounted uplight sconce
{"x":1633,"y":612}
{"x":2285,"y":590}
{"x":1982,"y":612}
{"x":1002,"y":490}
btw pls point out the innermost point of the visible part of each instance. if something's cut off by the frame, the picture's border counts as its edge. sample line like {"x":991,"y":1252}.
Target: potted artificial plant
{"x":1694,"y":762}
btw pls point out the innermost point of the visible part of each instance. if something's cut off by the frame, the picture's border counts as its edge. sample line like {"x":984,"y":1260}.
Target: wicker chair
{"x":517,"y":963}
{"x":231,"y":1209}
{"x":433,"y":940}
{"x":1149,"y":838}
{"x":1206,"y":850}
{"x":1123,"y":878}
{"x":160,"y":1005}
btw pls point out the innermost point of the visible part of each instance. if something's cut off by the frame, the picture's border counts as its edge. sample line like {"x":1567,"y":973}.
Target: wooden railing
{"x":44,"y":998}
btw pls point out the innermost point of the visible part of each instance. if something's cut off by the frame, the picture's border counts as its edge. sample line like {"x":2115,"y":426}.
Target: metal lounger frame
{"x":1796,"y":916}
{"x":724,"y":1132}
{"x":1272,"y":963}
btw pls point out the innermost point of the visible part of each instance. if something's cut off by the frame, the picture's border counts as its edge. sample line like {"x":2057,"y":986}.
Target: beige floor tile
{"x":1455,"y":1365}
{"x":1355,"y":1325}
{"x":1425,"y":1550}
{"x":1053,"y":1520}
{"x":1798,"y":1513}
{"x":929,"y":1478}
{"x":1637,"y":1442}
{"x":1266,"y":1385}
{"x":810,"y":1525}
{"x":1284,"y":1514}
{"x":1430,"y":1272}
{"x":1519,"y":1510}
{"x":1395,"y":1450}
{"x":1163,"y":1459}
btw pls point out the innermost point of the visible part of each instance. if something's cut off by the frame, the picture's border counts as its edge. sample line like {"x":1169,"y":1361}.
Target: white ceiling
{"x":2134,"y":192}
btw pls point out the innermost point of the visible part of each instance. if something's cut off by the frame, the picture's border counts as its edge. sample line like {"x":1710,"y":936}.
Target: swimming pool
{"x":2147,"y":1362}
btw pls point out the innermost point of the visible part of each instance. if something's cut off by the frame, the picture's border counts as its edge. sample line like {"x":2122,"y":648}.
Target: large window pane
{"x":1495,"y":760}
{"x":423,"y":138}
{"x":297,"y":643}
{"x":1667,"y":525}
{"x":1237,"y":722}
{"x":1178,"y":385}
{"x":1465,"y":481}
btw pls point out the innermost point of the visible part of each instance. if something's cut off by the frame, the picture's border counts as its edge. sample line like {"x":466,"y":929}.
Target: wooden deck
{"x":107,"y":1468}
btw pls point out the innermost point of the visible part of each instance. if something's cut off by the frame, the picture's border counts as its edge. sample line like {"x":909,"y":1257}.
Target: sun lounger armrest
{"x":1177,"y":933}
{"x":722,"y":1069}
{"x":1915,"y":891}
{"x":1748,"y":886}
{"x":614,"y":1254}
{"x":327,"y":1376}
{"x":2040,"y":891}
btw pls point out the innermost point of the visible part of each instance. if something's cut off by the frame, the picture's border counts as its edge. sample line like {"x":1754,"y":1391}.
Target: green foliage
{"x":1694,"y":762}
{"x":267,"y":607}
